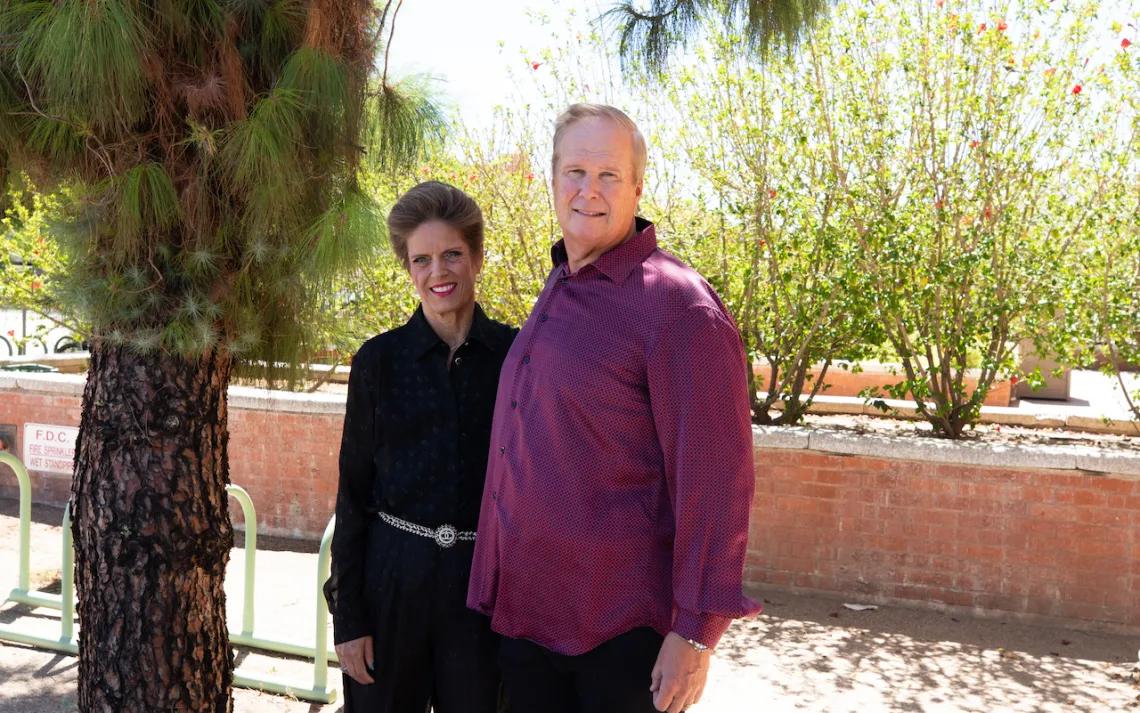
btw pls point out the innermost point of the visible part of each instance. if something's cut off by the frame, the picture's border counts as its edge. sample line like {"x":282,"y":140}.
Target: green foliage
{"x":32,"y":265}
{"x":209,"y":155}
{"x":647,"y":38}
{"x":782,"y":255}
{"x":1104,"y":307}
{"x":953,"y":145}
{"x":84,"y":55}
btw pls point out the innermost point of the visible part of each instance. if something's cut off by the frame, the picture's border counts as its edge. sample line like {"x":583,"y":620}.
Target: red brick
{"x":1104,"y":516}
{"x":982,"y":552}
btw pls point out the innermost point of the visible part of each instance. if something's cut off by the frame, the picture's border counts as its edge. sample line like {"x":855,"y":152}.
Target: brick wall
{"x":1047,"y":542}
{"x":1028,"y":530}
{"x":283,"y":451}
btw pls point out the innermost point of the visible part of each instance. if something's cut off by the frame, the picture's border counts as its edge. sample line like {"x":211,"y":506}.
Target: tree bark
{"x":153,"y":534}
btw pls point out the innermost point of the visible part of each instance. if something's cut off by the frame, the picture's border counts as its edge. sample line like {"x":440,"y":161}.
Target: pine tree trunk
{"x":153,"y":534}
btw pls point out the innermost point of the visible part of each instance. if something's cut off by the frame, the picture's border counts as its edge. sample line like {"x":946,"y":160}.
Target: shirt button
{"x":526,"y":360}
{"x":458,"y":360}
{"x":565,"y":280}
{"x":543,"y":318}
{"x":502,"y":449}
{"x":494,"y":495}
{"x":514,"y":404}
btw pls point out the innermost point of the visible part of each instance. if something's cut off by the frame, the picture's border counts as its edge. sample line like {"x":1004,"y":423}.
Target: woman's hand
{"x":356,"y":659}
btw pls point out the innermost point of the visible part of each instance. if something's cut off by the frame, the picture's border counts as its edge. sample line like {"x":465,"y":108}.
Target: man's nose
{"x":591,"y":187}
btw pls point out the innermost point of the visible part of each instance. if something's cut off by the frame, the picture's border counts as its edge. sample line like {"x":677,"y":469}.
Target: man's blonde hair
{"x":578,"y":112}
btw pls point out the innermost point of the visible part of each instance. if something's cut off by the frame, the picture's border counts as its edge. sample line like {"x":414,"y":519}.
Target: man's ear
{"x":638,"y":189}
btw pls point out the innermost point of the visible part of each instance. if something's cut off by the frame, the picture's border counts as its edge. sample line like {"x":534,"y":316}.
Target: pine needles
{"x":212,"y":147}
{"x":647,"y":38}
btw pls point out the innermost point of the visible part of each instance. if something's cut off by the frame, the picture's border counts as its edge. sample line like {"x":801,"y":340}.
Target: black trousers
{"x":430,"y":649}
{"x":612,"y":678}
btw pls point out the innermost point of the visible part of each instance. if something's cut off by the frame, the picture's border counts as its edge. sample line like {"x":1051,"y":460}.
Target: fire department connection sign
{"x":49,"y":449}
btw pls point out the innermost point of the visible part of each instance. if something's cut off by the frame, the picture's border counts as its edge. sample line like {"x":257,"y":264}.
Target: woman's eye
{"x":420,"y":261}
{"x":453,"y":254}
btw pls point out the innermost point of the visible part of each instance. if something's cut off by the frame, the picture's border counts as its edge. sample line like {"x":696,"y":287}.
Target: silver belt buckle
{"x":446,"y":536}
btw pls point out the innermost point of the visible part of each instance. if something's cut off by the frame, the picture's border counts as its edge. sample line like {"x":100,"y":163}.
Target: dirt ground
{"x":805,"y":653}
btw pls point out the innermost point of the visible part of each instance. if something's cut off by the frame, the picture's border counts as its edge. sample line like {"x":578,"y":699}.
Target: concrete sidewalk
{"x":805,"y":653}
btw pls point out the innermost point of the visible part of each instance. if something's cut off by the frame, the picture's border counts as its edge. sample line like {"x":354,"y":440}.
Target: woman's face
{"x":442,"y":267}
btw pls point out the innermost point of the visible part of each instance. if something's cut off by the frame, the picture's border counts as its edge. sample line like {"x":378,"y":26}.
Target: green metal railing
{"x":64,"y":602}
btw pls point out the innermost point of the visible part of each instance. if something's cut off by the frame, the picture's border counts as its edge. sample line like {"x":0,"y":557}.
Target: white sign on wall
{"x":49,"y":449}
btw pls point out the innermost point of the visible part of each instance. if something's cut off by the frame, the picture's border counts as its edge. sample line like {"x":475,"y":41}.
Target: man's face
{"x":595,"y":193}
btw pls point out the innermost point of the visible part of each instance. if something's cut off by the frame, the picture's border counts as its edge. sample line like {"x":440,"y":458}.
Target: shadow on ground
{"x":813,"y":654}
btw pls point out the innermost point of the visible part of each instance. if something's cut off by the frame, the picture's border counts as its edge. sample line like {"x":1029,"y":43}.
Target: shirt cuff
{"x":349,"y":627}
{"x":703,"y":628}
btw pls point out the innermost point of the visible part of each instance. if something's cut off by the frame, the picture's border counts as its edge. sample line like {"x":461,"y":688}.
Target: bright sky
{"x":469,"y":44}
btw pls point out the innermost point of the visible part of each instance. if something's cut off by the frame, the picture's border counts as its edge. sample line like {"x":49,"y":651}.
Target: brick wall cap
{"x":254,"y":399}
{"x":71,"y":384}
{"x":240,"y":397}
{"x":1002,"y":455}
{"x":784,"y":437}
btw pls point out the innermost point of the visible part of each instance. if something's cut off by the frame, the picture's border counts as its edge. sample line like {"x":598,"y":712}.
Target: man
{"x":614,"y":520}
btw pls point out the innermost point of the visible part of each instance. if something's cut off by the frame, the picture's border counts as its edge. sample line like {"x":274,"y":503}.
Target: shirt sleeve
{"x":344,"y":590}
{"x":698,"y":390}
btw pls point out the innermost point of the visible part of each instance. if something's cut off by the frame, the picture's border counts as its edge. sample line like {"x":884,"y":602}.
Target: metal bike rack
{"x":64,"y":602}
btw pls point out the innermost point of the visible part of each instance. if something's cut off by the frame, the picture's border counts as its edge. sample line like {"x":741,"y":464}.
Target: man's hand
{"x":356,"y":659}
{"x":679,"y":675}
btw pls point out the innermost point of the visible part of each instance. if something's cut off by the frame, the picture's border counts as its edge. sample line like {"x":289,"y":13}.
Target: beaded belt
{"x":444,"y":535}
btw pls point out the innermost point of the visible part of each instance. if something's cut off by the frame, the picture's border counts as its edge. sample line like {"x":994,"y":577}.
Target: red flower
{"x":529,"y":176}
{"x":36,"y":286}
{"x":424,"y":169}
{"x":981,"y":28}
{"x":1126,"y":43}
{"x":473,"y":177}
{"x":938,"y":205}
{"x":989,"y":213}
{"x":535,"y":65}
{"x":1050,"y":72}
{"x":11,"y":333}
{"x":1002,"y":27}
{"x":772,"y":193}
{"x":973,"y":144}
{"x":938,"y":3}
{"x":1013,"y":379}
{"x":1077,"y":89}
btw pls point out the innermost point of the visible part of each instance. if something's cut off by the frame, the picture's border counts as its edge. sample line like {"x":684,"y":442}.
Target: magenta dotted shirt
{"x":620,"y":475}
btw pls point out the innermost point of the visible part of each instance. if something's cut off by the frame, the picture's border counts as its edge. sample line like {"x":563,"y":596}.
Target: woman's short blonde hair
{"x":433,"y":200}
{"x":578,"y":112}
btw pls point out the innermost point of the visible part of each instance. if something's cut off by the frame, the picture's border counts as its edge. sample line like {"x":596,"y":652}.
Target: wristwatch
{"x":696,"y":644}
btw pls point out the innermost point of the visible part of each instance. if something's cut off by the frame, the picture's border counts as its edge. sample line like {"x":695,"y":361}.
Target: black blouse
{"x":415,"y":444}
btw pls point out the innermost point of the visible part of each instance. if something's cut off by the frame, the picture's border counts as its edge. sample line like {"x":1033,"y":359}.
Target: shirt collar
{"x":617,"y":263}
{"x":422,"y":338}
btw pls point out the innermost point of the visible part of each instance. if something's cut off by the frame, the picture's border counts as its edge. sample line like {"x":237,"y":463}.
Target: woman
{"x":412,"y":462}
